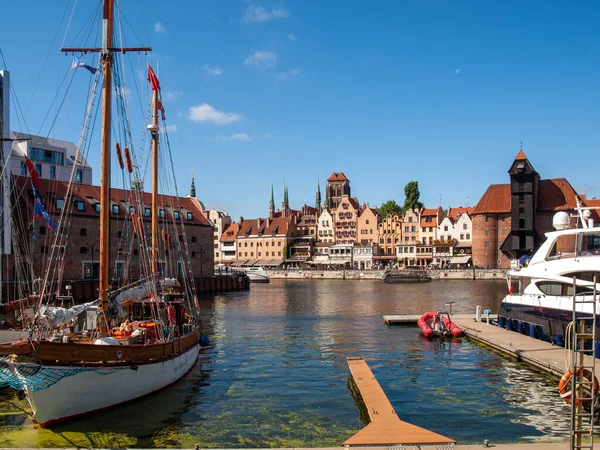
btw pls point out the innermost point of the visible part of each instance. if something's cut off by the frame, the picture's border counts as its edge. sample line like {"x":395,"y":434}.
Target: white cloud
{"x":172,"y":128}
{"x":214,"y":70}
{"x":287,"y":75}
{"x":234,"y":137}
{"x":258,"y":14}
{"x":169,"y":96}
{"x":159,"y":28}
{"x":262,"y":59}
{"x":292,"y":36}
{"x":206,"y":113}
{"x":457,"y":71}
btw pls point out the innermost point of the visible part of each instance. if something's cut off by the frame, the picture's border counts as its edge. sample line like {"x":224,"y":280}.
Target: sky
{"x":441,"y":92}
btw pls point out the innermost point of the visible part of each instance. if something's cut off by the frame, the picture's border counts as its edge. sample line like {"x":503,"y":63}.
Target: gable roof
{"x":230,"y":232}
{"x":455,"y":213}
{"x":277,"y":225}
{"x":555,"y":194}
{"x":337,"y":176}
{"x":520,"y":156}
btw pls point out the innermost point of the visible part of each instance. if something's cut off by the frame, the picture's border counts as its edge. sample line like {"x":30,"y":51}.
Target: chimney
{"x":268,"y":221}
{"x":241,"y":219}
{"x":258,"y":223}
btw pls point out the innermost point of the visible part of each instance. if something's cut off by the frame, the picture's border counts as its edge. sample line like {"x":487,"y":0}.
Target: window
{"x":464,"y":226}
{"x":83,"y":232}
{"x":97,"y":207}
{"x":487,"y":218}
{"x":42,"y":230}
{"x":131,"y":209}
{"x":79,"y":176}
{"x":367,"y":222}
{"x":487,"y":232}
{"x":119,"y":269}
{"x":462,"y":236}
{"x":189,"y":215}
{"x":194,"y":239}
{"x":279,"y":244}
{"x":79,"y":205}
{"x":90,"y":270}
{"x":487,"y":244}
{"x":38,"y":168}
{"x":147,"y":212}
{"x":216,"y":245}
{"x":194,"y":254}
{"x":406,"y":229}
{"x":60,"y":203}
{"x":413,"y":228}
{"x":115,"y":209}
{"x":176,"y":215}
{"x":52,"y":174}
{"x":23,"y":168}
{"x":47,"y":156}
{"x":278,"y":253}
{"x":410,"y":219}
{"x":161,"y":213}
{"x":119,"y":234}
{"x":468,"y":236}
{"x":445,"y":227}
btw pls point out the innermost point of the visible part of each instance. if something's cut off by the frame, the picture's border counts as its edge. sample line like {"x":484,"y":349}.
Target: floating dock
{"x":385,"y":428}
{"x":411,"y":319}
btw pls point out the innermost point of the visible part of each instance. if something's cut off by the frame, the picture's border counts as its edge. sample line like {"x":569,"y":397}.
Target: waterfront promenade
{"x":355,"y":274}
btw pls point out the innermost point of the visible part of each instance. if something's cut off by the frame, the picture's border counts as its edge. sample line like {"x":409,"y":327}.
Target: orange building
{"x":346,"y":220}
{"x":368,"y":225}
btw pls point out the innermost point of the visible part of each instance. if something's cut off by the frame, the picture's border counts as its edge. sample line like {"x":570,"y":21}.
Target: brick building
{"x":80,"y":240}
{"x":510,"y":219}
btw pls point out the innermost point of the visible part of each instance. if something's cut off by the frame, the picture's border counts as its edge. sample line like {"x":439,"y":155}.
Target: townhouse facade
{"x":346,"y":220}
{"x":368,"y":225}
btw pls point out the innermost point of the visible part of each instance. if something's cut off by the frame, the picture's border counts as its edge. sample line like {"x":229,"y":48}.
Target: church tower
{"x":193,"y":187}
{"x":318,"y":198}
{"x":272,"y":203}
{"x":285,"y":205}
{"x":337,"y":186}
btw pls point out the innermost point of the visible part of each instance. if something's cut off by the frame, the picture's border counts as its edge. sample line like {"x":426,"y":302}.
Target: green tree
{"x":389,"y":207}
{"x":411,"y":191}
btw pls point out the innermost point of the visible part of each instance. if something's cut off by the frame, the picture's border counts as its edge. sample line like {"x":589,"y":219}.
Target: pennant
{"x":40,"y":213}
{"x":154,"y":84}
{"x":35,"y":179}
{"x":162,"y":110}
{"x":79,"y":64}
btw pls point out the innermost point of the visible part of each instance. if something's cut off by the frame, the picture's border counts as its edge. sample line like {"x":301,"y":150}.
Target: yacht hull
{"x":94,"y":389}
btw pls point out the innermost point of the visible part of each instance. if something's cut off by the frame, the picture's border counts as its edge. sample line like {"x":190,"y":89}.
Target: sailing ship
{"x":131,"y":341}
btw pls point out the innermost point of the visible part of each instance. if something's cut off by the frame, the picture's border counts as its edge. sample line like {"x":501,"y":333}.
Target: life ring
{"x":564,"y":386}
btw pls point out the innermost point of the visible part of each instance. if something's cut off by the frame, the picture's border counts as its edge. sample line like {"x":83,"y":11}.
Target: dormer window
{"x":60,"y":203}
{"x":97,"y":207}
{"x":189,"y":216}
{"x":79,"y":205}
{"x":131,"y":209}
{"x":147,"y":212}
{"x":161,"y":213}
{"x":176,"y":215}
{"x":115,"y":209}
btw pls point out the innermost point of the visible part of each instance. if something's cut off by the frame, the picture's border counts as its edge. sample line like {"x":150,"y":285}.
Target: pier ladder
{"x":583,"y":359}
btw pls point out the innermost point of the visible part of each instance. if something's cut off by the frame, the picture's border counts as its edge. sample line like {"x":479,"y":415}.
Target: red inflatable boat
{"x":434,"y":324}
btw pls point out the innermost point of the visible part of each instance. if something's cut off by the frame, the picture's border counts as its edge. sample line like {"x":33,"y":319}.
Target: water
{"x":275,"y":375}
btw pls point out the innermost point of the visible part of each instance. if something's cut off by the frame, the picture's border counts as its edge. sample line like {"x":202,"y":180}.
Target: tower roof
{"x":337,"y":176}
{"x":520,"y":156}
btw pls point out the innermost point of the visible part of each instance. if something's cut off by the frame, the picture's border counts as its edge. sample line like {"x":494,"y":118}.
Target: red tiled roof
{"x":555,"y":194}
{"x":277,"y":225}
{"x":455,"y":213}
{"x":230,"y":233}
{"x":337,"y":176}
{"x":520,"y":156}
{"x":90,"y":195}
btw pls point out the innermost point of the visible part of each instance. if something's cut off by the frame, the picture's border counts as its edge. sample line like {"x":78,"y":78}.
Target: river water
{"x":275,"y":375}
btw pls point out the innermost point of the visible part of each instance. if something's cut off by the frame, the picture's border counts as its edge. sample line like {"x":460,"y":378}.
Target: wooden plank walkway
{"x":539,"y":354}
{"x":411,"y":319}
{"x":385,"y":428}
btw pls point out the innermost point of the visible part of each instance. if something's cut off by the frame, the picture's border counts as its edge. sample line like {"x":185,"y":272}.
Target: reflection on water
{"x":275,"y":375}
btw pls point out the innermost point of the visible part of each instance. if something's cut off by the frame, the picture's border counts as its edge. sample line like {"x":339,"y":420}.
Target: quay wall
{"x":351,"y":274}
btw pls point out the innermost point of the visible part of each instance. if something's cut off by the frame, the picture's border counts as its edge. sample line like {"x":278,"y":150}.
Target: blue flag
{"x":40,"y":213}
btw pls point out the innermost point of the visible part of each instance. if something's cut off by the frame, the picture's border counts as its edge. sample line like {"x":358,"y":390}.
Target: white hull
{"x":101,"y":388}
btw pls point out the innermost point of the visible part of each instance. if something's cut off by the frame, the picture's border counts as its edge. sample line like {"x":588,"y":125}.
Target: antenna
{"x":440,"y":194}
{"x":467,"y":202}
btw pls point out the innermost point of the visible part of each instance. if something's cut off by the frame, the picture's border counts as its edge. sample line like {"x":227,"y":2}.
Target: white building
{"x":325,"y":227}
{"x":332,"y":256}
{"x":362,"y":256}
{"x":53,"y":159}
{"x":219,"y":220}
{"x":446,"y":229}
{"x":406,"y":254}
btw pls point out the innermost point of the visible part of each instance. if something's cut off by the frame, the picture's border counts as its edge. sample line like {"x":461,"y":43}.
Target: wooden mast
{"x":106,"y":52}
{"x":155,"y":184}
{"x":106,"y":55}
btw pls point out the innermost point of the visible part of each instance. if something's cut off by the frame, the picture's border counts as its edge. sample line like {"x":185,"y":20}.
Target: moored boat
{"x":78,"y":360}
{"x":405,"y":276}
{"x":438,"y":324}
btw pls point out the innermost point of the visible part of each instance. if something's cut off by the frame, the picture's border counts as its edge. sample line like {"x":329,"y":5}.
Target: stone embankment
{"x":470,"y":274}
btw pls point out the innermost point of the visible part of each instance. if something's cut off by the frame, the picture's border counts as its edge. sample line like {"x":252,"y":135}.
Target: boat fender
{"x":204,"y":341}
{"x":564,"y":386}
{"x":119,"y":155}
{"x":119,"y":354}
{"x":128,"y":160}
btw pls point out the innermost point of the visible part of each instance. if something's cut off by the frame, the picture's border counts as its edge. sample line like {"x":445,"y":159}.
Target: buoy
{"x":564,"y":386}
{"x":204,"y":341}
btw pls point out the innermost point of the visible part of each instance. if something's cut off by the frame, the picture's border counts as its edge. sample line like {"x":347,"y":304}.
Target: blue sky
{"x":441,"y":92}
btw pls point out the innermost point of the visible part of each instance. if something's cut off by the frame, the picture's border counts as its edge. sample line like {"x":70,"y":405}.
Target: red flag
{"x":34,"y":175}
{"x":154,"y":84}
{"x":162,"y":110}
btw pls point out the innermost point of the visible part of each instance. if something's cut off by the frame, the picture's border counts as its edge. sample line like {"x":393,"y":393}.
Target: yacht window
{"x":550,"y":288}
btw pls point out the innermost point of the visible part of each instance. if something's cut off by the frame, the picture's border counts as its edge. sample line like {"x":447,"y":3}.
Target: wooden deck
{"x":385,"y":428}
{"x":411,"y":319}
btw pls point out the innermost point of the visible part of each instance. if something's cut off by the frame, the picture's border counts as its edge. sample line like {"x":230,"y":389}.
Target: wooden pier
{"x":411,"y":319}
{"x":385,"y":428}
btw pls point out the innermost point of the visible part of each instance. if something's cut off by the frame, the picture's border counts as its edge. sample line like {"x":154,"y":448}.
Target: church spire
{"x":193,"y":187}
{"x":318,"y":198}
{"x":285,"y":205}
{"x":272,"y":203}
